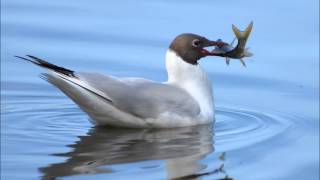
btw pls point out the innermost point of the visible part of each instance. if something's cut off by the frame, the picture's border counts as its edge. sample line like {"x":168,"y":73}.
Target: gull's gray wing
{"x":139,"y":97}
{"x":142,"y":98}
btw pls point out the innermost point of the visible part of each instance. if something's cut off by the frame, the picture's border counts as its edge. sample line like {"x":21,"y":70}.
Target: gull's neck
{"x":191,"y":78}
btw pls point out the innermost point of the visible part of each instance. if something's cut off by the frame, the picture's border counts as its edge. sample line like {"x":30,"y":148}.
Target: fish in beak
{"x":239,"y":51}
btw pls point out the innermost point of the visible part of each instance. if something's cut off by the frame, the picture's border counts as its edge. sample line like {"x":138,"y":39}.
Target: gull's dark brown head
{"x":191,"y":47}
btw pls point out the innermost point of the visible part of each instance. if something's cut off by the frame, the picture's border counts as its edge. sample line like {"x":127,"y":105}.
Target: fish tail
{"x":242,"y":34}
{"x":248,"y":30}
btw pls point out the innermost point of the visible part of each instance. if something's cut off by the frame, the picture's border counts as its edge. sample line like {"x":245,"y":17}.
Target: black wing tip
{"x":47,"y":65}
{"x":33,"y":57}
{"x":26,"y":59}
{"x":17,"y":56}
{"x":20,"y":57}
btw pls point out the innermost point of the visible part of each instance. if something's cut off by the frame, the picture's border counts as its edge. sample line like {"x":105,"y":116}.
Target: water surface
{"x":267,"y":115}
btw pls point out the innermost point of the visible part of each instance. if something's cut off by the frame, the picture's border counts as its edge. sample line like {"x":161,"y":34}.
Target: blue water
{"x":267,"y":114}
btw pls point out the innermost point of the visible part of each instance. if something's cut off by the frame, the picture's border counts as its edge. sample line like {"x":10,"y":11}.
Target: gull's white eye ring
{"x":196,"y":43}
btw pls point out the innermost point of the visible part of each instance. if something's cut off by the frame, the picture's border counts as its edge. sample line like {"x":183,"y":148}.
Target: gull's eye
{"x":196,"y":43}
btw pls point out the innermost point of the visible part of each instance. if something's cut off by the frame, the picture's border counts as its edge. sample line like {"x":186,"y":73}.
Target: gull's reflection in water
{"x":180,"y":148}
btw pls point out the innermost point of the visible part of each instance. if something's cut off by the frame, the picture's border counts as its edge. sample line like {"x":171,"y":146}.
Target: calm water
{"x":267,"y":114}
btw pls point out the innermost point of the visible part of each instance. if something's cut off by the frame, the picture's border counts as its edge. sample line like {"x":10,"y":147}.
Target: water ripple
{"x":234,"y":128}
{"x":237,"y":128}
{"x":41,"y":120}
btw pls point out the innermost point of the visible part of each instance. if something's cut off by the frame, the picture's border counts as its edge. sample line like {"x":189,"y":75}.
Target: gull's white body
{"x":194,"y":80}
{"x":184,"y":100}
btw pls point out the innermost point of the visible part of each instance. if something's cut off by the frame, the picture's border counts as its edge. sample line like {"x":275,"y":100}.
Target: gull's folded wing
{"x":139,"y":97}
{"x":143,"y":98}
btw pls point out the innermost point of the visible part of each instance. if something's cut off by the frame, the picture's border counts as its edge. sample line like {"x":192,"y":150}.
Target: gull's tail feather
{"x":242,"y":34}
{"x":81,"y":96}
{"x":47,"y":65}
{"x":62,"y":77}
{"x":95,"y":105}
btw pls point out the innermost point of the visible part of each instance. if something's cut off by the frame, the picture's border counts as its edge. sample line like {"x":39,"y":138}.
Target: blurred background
{"x":130,"y":38}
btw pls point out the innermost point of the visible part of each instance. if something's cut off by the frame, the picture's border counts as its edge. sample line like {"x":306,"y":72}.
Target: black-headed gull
{"x":185,"y":99}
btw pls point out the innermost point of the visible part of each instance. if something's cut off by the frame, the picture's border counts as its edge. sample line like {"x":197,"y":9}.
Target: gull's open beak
{"x":205,"y":52}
